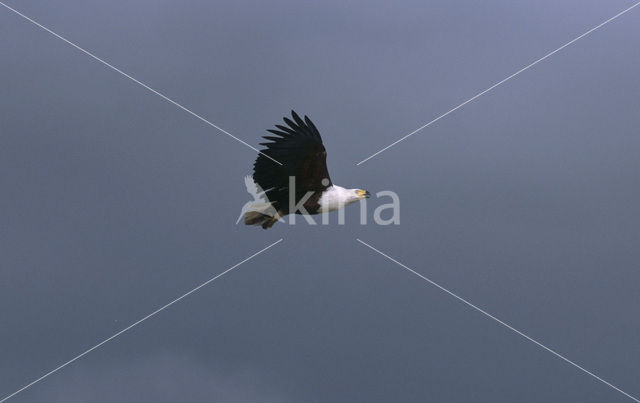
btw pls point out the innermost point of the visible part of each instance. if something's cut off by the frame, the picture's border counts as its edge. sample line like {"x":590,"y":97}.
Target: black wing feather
{"x":312,"y":126}
{"x":286,"y":129}
{"x":300,"y":151}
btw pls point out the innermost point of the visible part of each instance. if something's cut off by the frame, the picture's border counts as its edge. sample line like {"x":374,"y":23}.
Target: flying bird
{"x":300,"y":172}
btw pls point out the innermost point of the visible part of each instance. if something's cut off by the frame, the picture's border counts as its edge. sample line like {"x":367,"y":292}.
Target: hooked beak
{"x":363,"y":194}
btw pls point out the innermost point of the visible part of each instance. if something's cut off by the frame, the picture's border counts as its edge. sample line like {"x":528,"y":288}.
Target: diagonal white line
{"x":137,"y":322}
{"x":136,"y":81}
{"x":498,"y":83}
{"x":499,"y":321}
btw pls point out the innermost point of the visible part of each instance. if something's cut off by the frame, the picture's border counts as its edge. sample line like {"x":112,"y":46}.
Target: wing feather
{"x":300,"y":150}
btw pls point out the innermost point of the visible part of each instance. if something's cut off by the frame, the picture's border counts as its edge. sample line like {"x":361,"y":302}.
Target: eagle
{"x":292,"y":172}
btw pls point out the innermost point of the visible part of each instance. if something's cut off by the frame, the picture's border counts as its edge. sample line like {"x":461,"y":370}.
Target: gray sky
{"x":525,"y":202}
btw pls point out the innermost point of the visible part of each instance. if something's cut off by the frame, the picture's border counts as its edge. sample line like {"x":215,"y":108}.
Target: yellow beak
{"x":362,"y":194}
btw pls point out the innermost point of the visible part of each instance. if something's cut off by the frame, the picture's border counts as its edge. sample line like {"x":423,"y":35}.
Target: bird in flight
{"x":299,"y":181}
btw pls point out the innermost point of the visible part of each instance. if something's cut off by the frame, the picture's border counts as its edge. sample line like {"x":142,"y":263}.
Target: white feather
{"x":336,"y":197}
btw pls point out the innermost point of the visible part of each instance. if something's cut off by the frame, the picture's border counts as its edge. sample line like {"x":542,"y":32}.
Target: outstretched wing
{"x":299,"y":149}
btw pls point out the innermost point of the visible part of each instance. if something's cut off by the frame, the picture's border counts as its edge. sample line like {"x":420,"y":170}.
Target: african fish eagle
{"x":300,"y":155}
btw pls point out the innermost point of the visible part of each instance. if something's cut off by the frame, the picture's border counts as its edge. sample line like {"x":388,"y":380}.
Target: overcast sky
{"x":526,"y":202}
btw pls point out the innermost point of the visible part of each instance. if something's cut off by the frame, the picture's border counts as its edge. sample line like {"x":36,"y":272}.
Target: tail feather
{"x":257,"y":218}
{"x":254,"y":218}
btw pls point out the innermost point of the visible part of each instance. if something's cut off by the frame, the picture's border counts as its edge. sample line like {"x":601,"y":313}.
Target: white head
{"x":336,"y":197}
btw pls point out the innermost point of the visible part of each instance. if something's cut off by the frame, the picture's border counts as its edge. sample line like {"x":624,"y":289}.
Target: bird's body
{"x":299,"y":180}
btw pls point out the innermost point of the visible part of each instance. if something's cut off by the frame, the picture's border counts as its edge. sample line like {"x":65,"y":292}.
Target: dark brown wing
{"x":299,"y":149}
